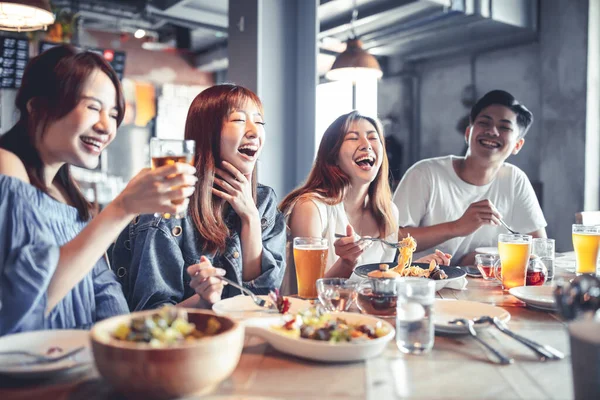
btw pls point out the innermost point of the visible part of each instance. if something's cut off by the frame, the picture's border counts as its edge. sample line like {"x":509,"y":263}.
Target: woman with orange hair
{"x":347,"y":192}
{"x":232,"y":227}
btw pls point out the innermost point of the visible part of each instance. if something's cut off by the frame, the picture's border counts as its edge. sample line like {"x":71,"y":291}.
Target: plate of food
{"x":445,"y":311}
{"x":406,"y":268}
{"x":541,"y":297}
{"x":50,"y":343}
{"x":443,"y":274}
{"x":321,"y":336}
{"x":242,"y":307}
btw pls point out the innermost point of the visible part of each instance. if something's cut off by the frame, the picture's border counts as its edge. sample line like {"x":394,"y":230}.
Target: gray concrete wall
{"x":548,"y":76}
{"x":563,"y":72}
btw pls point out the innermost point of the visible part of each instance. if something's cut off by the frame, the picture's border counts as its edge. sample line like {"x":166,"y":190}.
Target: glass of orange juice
{"x":514,"y":251}
{"x":310,"y":258}
{"x":585,"y":244}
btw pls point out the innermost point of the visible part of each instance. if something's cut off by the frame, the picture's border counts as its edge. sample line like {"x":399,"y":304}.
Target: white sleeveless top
{"x":334,"y":220}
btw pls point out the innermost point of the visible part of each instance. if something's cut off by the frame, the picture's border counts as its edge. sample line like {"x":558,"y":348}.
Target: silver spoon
{"x":502,"y":359}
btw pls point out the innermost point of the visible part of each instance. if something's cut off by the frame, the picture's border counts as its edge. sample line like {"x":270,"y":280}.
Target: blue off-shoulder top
{"x":33,"y":227}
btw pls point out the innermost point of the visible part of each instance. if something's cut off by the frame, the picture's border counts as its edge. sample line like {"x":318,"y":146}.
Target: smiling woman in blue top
{"x":52,"y":270}
{"x":232,"y":227}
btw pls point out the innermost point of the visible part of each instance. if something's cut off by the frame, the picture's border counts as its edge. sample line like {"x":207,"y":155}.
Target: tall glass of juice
{"x":585,"y":244}
{"x":514,"y":251}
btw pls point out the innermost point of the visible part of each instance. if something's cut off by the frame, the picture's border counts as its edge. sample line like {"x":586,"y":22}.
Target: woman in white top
{"x":347,"y":192}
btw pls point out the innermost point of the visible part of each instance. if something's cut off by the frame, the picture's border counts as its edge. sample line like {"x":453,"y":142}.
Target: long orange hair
{"x":327,"y":182}
{"x":204,"y":124}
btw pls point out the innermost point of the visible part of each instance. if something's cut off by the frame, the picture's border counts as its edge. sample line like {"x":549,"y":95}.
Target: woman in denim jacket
{"x":232,"y":228}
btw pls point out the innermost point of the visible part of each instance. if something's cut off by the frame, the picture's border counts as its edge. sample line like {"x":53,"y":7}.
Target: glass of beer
{"x":310,"y":258}
{"x":514,"y":251}
{"x":585,"y":244}
{"x":168,"y":152}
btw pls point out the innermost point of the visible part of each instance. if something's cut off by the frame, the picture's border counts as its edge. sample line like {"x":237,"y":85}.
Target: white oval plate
{"x":541,"y":297}
{"x":447,"y":310}
{"x":318,"y":350}
{"x":487,"y":250}
{"x":242,"y":307}
{"x":40,"y":342}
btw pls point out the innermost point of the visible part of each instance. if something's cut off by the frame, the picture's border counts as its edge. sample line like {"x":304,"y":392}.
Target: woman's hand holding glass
{"x":205,"y":281}
{"x":235,"y":188}
{"x":163,"y":189}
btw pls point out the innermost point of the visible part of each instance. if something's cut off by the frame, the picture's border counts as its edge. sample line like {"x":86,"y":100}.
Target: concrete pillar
{"x":563,"y":71}
{"x":273,"y":51}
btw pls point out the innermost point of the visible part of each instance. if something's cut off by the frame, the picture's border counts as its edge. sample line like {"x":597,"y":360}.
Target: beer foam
{"x":311,"y":247}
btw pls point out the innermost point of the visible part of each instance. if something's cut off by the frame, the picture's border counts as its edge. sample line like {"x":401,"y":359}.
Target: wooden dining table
{"x":457,"y":367}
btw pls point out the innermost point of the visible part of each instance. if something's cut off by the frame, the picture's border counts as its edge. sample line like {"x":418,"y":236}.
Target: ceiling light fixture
{"x":140,"y":33}
{"x":25,"y":15}
{"x":354,"y":63}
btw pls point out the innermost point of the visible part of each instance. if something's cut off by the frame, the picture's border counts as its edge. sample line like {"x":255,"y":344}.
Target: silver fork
{"x":506,"y":226}
{"x":257,"y":300}
{"x":363,"y":238}
{"x":502,"y":359}
{"x":545,"y":352}
{"x":38,"y":358}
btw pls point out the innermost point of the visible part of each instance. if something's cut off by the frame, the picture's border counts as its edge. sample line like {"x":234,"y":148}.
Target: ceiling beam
{"x":192,"y":19}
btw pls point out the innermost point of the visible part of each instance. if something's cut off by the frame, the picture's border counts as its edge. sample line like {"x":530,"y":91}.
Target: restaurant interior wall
{"x":549,"y":76}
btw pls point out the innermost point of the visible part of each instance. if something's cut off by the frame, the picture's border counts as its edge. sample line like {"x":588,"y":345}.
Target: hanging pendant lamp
{"x":25,"y":15}
{"x":354,"y":63}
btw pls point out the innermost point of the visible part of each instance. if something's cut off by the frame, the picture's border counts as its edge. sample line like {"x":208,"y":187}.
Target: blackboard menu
{"x":14,"y":54}
{"x":116,"y":59}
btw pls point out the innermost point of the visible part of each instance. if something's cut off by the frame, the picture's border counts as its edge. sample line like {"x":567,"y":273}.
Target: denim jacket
{"x":151,"y":256}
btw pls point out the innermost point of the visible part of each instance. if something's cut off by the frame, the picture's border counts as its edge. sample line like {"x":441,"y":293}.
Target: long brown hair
{"x":52,"y":85}
{"x":329,"y":183}
{"x":204,"y":124}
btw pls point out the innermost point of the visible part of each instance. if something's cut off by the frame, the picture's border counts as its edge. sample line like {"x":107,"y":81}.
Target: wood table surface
{"x":456,"y":368}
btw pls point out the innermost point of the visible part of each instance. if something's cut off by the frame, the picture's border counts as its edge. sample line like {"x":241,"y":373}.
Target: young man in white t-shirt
{"x":455,"y":203}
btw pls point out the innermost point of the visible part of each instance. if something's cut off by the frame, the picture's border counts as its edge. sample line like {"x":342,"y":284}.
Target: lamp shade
{"x":25,"y":15}
{"x":354,"y":64}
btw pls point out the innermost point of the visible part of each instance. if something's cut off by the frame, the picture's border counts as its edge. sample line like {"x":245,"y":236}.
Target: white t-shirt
{"x":334,"y":220}
{"x":431,"y":193}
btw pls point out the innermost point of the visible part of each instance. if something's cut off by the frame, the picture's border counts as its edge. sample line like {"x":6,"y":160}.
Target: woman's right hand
{"x":157,"y":190}
{"x":205,"y":282}
{"x":348,"y":248}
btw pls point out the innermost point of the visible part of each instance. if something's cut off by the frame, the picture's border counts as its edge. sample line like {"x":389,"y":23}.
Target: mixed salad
{"x":317,"y":325}
{"x":167,"y":326}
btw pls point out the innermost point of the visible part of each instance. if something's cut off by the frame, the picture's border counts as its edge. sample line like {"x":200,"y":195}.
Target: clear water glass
{"x":543,"y":248}
{"x":336,"y":294}
{"x":414,"y":315}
